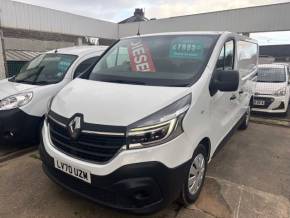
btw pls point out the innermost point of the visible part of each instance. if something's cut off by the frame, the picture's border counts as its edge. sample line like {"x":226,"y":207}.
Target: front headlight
{"x":280,"y":92}
{"x":15,"y":101}
{"x":160,"y":127}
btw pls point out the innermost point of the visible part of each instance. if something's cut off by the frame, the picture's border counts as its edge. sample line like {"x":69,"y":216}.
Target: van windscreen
{"x":45,"y":69}
{"x":174,"y":60}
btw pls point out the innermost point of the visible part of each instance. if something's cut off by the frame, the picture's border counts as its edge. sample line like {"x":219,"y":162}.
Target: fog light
{"x":141,"y":195}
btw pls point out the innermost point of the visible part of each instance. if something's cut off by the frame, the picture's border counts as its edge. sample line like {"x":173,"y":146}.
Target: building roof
{"x":20,"y":55}
{"x":137,"y":17}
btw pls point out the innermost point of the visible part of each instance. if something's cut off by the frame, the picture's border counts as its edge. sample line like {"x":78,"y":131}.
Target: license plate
{"x":73,"y":170}
{"x":259,"y":102}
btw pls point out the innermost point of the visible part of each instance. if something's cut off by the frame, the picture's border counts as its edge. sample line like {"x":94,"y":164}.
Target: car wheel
{"x":245,"y":123}
{"x":195,"y":177}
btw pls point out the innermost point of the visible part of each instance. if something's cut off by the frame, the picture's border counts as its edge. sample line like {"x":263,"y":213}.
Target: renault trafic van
{"x":24,"y":98}
{"x":138,"y":130}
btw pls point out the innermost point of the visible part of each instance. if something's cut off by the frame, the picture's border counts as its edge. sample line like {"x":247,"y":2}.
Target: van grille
{"x":89,"y":146}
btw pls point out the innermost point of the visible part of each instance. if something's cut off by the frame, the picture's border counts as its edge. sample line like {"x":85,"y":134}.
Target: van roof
{"x":242,"y":37}
{"x":178,"y":33}
{"x":80,"y":50}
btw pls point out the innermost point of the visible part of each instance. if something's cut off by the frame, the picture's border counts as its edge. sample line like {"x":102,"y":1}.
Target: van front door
{"x":224,"y":108}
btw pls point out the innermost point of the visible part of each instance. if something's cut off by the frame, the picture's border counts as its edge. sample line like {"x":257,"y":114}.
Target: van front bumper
{"x":18,"y":128}
{"x":139,"y":188}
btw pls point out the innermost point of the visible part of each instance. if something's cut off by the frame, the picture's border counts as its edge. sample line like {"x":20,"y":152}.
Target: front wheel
{"x":245,"y":123}
{"x":195,"y":177}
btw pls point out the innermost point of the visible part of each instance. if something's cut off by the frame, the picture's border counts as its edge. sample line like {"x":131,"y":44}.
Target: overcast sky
{"x":117,"y":10}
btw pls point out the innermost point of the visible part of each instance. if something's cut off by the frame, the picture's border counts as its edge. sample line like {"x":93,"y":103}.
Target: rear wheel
{"x":195,"y":177}
{"x":245,"y":123}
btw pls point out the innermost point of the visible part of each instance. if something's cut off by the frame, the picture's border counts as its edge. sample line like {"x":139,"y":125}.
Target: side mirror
{"x":225,"y":81}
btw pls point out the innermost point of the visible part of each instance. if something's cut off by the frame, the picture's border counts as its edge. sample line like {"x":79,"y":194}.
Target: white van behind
{"x":24,"y":98}
{"x":138,"y":131}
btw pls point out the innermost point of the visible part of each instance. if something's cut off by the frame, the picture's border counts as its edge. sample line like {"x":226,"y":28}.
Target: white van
{"x":272,"y":91}
{"x":24,"y":97}
{"x":138,"y":131}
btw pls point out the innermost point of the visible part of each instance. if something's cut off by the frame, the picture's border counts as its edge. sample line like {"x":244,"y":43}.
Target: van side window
{"x":83,"y":66}
{"x":226,"y":58}
{"x":247,"y":57}
{"x":118,"y":57}
{"x":229,"y":55}
{"x":220,"y":62}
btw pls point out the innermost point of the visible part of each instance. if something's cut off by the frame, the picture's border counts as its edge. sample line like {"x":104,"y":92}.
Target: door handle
{"x":241,"y":92}
{"x":233,"y":97}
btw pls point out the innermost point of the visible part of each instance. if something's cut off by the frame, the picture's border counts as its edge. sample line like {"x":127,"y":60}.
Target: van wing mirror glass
{"x":225,"y":80}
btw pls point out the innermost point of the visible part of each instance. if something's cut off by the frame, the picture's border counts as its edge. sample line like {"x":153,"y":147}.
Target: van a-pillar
{"x":2,"y":59}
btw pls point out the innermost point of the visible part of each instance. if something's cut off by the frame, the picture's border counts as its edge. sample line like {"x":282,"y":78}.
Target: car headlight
{"x":160,"y":127}
{"x":15,"y":101}
{"x":280,"y":92}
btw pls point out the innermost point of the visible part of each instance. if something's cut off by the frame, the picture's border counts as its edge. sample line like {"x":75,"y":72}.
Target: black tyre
{"x":246,"y":119}
{"x":195,"y":177}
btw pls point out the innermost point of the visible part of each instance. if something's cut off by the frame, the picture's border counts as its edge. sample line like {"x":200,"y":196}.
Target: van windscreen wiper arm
{"x":43,"y":83}
{"x":125,"y":82}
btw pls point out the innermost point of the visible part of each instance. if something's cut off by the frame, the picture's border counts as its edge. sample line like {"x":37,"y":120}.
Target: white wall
{"x":23,"y":16}
{"x":34,"y":44}
{"x":255,"y":19}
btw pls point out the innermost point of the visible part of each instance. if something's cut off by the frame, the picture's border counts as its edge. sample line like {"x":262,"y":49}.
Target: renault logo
{"x":75,"y":126}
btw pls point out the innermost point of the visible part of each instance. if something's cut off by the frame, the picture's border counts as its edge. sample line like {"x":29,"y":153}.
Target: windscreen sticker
{"x":181,"y":48}
{"x":140,"y":57}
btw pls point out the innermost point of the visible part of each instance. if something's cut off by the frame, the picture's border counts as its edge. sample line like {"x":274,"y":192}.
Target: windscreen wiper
{"x":29,"y":76}
{"x":43,"y":83}
{"x":23,"y":81}
{"x":12,"y":79}
{"x":125,"y":82}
